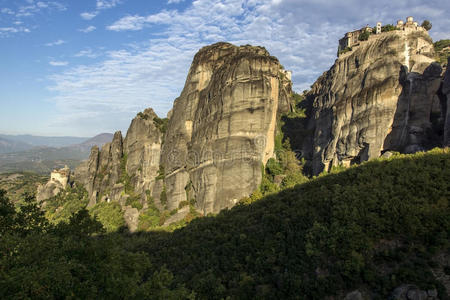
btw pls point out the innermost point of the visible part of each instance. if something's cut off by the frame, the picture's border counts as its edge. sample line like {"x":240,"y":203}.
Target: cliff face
{"x":124,"y":168}
{"x":375,"y":98}
{"x":445,"y":101}
{"x":222,"y":127}
{"x":219,"y":133}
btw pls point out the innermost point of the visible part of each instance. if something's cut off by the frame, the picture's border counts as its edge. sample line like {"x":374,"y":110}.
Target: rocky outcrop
{"x":445,"y":100}
{"x":125,"y":167}
{"x":219,"y":133}
{"x":59,"y":180}
{"x":222,"y":127}
{"x":143,"y":149}
{"x":377,"y":97}
{"x":412,"y":292}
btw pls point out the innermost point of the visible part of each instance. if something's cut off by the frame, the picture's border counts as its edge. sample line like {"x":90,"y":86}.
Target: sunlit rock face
{"x":375,"y":98}
{"x":220,"y":132}
{"x":222,"y":127}
{"x":59,"y":180}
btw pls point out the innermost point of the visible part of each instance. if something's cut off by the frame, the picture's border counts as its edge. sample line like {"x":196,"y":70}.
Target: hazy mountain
{"x":43,"y":159}
{"x":7,"y":146}
{"x":49,"y":141}
{"x":98,"y":140}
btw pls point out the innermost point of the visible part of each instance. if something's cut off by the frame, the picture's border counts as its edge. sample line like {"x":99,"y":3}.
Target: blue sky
{"x":82,"y":67}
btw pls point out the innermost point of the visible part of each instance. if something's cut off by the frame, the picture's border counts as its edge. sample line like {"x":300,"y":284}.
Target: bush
{"x":345,"y":50}
{"x":427,"y":25}
{"x":364,"y":36}
{"x":62,"y":206}
{"x":163,"y":196}
{"x":388,"y":27}
{"x":161,"y":124}
{"x":109,"y":214}
{"x":292,"y":179}
{"x":273,"y":167}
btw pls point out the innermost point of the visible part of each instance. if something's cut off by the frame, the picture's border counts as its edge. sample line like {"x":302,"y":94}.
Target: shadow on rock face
{"x":415,"y":126}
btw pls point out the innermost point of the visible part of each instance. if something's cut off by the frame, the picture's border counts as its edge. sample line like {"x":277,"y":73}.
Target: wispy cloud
{"x":301,"y":33}
{"x":7,"y":11}
{"x":7,"y":31}
{"x":58,"y":63}
{"x":35,"y":7}
{"x":13,"y":17}
{"x":55,"y":43}
{"x":87,"y":53}
{"x":128,"y":23}
{"x":89,"y":15}
{"x":100,"y":5}
{"x":174,"y":1}
{"x":88,"y":29}
{"x":105,"y":4}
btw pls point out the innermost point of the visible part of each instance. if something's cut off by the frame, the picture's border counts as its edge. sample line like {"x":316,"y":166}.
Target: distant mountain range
{"x":19,"y":153}
{"x":47,"y":141}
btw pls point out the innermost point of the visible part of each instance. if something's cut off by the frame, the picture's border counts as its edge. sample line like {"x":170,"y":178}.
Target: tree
{"x":427,"y":25}
{"x":364,"y":36}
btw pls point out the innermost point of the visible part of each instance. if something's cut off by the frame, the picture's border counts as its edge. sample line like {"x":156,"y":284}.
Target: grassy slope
{"x":332,"y":234}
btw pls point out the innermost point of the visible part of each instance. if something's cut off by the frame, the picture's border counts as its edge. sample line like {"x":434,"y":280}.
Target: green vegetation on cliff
{"x":375,"y":226}
{"x":442,"y":49}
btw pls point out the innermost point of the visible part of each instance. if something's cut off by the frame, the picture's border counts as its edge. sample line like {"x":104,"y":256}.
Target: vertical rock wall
{"x":375,"y":98}
{"x":222,"y":127}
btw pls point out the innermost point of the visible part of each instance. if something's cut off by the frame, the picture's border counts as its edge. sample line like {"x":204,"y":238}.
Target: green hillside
{"x":371,"y":227}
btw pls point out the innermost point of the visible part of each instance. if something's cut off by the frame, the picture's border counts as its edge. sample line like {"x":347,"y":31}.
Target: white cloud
{"x":128,"y":23}
{"x":88,"y":29}
{"x":105,"y":4}
{"x":87,"y":53}
{"x":55,"y":43}
{"x":88,"y":15}
{"x":7,"y":11}
{"x":7,"y":31}
{"x":58,"y":63}
{"x":303,"y":34}
{"x":174,"y":1}
{"x":35,"y":7}
{"x":14,"y":17}
{"x":100,"y":5}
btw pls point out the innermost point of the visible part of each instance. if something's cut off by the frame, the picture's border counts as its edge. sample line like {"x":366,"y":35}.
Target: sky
{"x":83,"y":67}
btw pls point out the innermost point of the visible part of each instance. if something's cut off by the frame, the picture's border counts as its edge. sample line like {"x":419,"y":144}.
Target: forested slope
{"x":371,"y":227}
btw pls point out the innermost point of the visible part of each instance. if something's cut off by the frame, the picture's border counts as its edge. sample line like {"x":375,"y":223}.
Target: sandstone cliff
{"x":376,"y":98}
{"x":124,"y":169}
{"x":222,"y":127}
{"x":220,"y":132}
{"x":445,"y":100}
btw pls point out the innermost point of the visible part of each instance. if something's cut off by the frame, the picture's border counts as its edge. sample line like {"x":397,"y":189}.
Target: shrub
{"x":109,"y":214}
{"x":161,"y":124}
{"x":163,"y":196}
{"x":293,"y":179}
{"x":345,"y":50}
{"x":427,"y":25}
{"x":364,"y":36}
{"x":273,"y":167}
{"x":388,"y":27}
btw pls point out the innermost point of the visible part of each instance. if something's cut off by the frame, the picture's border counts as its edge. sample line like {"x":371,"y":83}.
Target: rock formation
{"x":222,"y":127}
{"x":376,"y":98}
{"x":124,"y":168}
{"x":445,"y":100}
{"x":220,"y":131}
{"x":59,"y":180}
